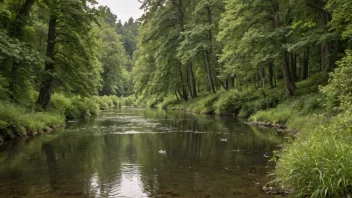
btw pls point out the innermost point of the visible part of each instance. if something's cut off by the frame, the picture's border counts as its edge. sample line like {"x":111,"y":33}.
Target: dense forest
{"x":277,"y":63}
{"x":191,"y":47}
{"x":58,"y":59}
{"x":285,"y":64}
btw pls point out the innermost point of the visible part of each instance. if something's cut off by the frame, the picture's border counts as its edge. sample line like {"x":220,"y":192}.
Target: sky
{"x":123,"y":9}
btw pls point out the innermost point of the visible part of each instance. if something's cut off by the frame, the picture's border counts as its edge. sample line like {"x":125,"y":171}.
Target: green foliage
{"x":13,"y":51}
{"x":341,"y":13}
{"x":203,"y":104}
{"x":339,"y":89}
{"x":231,"y":102}
{"x":60,"y":104}
{"x":81,"y":108}
{"x":17,"y":121}
{"x":113,"y":60}
{"x":291,"y":109}
{"x":169,"y":102}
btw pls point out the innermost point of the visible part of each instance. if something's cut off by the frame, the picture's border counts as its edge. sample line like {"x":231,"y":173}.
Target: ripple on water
{"x":126,"y":183}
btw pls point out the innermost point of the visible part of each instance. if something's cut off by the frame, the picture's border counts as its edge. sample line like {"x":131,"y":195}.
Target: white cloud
{"x":124,"y":9}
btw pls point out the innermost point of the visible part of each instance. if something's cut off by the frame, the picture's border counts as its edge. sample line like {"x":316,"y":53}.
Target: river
{"x":117,"y":155}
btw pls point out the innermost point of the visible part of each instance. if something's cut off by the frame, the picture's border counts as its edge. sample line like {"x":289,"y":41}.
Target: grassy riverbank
{"x":247,"y":102}
{"x":20,"y":120}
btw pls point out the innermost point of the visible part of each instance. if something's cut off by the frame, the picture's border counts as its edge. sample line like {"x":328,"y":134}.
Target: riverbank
{"x":19,"y":120}
{"x":265,"y":107}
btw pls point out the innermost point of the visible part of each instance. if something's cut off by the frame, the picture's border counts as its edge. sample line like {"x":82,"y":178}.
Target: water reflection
{"x":116,"y":155}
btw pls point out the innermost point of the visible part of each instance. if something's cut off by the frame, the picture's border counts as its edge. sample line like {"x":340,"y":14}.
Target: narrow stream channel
{"x":117,"y":155}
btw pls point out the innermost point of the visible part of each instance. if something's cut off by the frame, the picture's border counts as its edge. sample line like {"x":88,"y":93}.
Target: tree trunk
{"x":176,"y":95}
{"x":48,"y":82}
{"x":231,"y":82}
{"x":262,"y":76}
{"x":305,"y":68}
{"x":226,"y":84}
{"x":255,"y":81}
{"x":207,"y":66}
{"x":184,"y":94}
{"x":289,"y":84}
{"x":16,"y":28}
{"x":271,"y":74}
{"x":325,"y":62}
{"x":285,"y":66}
{"x":293,"y":62}
{"x":239,"y":84}
{"x":192,"y":81}
{"x":325,"y":54}
{"x":208,"y":53}
{"x":189,"y":71}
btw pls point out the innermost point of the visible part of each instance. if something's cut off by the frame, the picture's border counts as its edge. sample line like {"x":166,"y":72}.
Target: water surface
{"x":117,"y":155}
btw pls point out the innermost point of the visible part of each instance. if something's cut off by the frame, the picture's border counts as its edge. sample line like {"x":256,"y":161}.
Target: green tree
{"x":71,"y":50}
{"x":113,"y":60}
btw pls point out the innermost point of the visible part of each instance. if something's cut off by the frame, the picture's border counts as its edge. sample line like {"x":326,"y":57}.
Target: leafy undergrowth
{"x":20,"y":120}
{"x":297,"y":113}
{"x":16,"y":121}
{"x":82,"y":107}
{"x":244,"y":103}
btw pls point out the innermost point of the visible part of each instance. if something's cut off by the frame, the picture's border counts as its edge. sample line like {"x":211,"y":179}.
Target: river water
{"x":117,"y":155}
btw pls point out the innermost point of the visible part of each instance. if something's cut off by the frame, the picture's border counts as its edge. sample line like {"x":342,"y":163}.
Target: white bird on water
{"x":223,"y":139}
{"x":162,"y":152}
{"x":266,"y":156}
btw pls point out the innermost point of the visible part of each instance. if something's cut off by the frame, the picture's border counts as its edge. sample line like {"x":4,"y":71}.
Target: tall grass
{"x":289,"y":111}
{"x":319,"y":162}
{"x":17,"y":121}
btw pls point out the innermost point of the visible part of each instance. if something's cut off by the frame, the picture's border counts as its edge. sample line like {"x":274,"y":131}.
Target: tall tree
{"x":70,"y":29}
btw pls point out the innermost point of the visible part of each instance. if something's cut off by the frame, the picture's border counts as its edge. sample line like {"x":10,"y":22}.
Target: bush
{"x":82,"y":108}
{"x":292,"y":109}
{"x":116,"y":101}
{"x":16,"y":120}
{"x":129,"y":101}
{"x":60,"y":104}
{"x":339,"y":88}
{"x":203,"y":104}
{"x":231,"y":102}
{"x":169,"y":102}
{"x":102,"y":104}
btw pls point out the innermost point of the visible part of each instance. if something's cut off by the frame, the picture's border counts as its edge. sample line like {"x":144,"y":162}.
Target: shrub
{"x":339,"y":88}
{"x":16,"y":120}
{"x":204,"y":104}
{"x":231,"y":102}
{"x":60,"y":104}
{"x":102,"y":104}
{"x":83,"y":108}
{"x":129,"y":101}
{"x":291,"y":109}
{"x":116,"y":101}
{"x":168,"y":102}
